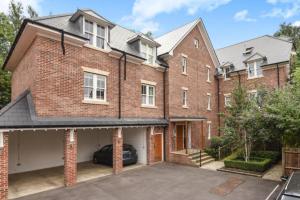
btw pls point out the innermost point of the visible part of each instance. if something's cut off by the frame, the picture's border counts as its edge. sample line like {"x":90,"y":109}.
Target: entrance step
{"x":202,"y":157}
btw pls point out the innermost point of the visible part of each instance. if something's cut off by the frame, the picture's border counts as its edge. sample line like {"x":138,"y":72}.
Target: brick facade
{"x":150,"y":146}
{"x":117,"y":151}
{"x":4,"y":168}
{"x":70,"y":159}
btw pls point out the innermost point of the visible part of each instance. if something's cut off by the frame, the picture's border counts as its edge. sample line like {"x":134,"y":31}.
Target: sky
{"x":227,"y":21}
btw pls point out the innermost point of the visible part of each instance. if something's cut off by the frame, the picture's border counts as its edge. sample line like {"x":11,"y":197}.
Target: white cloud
{"x":243,"y":15}
{"x":4,"y":4}
{"x":291,"y":9}
{"x":296,"y":23}
{"x":144,"y":11}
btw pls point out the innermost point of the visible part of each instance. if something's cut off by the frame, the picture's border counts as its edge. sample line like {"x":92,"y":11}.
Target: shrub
{"x":216,"y":142}
{"x":212,"y":152}
{"x":254,"y":164}
{"x":273,"y":155}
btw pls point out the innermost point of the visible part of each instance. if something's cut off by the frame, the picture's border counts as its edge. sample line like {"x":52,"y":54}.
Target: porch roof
{"x":186,"y":119}
{"x":20,"y":114}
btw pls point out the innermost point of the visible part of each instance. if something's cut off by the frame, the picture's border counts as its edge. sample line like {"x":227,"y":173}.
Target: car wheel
{"x":95,"y":161}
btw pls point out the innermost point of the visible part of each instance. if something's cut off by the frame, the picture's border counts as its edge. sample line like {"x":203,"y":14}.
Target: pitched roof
{"x":169,"y":40}
{"x":20,"y":114}
{"x":274,"y":49}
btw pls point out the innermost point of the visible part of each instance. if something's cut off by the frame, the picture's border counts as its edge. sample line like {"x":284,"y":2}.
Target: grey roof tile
{"x":274,"y":49}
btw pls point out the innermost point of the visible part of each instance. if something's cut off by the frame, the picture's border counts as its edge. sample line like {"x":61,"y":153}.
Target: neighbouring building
{"x":80,"y":82}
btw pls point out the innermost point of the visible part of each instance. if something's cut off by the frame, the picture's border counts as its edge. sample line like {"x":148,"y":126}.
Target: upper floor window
{"x":148,"y":95}
{"x":209,"y":130}
{"x":254,"y":69}
{"x":95,"y":33}
{"x":208,"y":101}
{"x":227,"y":100}
{"x":94,"y":86}
{"x":226,"y":73}
{"x":208,"y":74}
{"x":184,"y":97}
{"x":184,"y":65}
{"x":148,"y":53}
{"x":196,"y":43}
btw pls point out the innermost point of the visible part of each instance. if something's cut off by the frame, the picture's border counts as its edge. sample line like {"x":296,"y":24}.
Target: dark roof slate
{"x":20,"y":114}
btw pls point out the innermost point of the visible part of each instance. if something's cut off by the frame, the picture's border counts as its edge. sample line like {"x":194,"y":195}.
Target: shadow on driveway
{"x":165,"y":182}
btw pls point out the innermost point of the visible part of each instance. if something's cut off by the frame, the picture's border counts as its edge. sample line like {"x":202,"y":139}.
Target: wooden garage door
{"x":158,"y":147}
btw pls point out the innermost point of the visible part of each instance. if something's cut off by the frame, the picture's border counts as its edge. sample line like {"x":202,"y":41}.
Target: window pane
{"x":101,"y":81}
{"x":258,"y":68}
{"x":151,"y":100}
{"x":100,"y":42}
{"x":101,"y":31}
{"x":100,"y":94}
{"x":88,"y":80}
{"x":151,"y":90}
{"x":251,"y":69}
{"x":88,"y":93}
{"x":88,"y":26}
{"x":90,"y":37}
{"x":144,"y":90}
{"x":150,"y":59}
{"x":144,"y":99}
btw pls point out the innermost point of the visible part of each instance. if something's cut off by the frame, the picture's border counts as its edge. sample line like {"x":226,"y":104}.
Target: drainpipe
{"x":62,"y":42}
{"x":239,"y":75}
{"x":164,"y":92}
{"x":218,"y":100}
{"x":120,"y":91}
{"x":278,"y":81}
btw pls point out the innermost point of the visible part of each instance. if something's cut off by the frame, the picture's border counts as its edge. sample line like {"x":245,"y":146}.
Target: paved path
{"x":165,"y":182}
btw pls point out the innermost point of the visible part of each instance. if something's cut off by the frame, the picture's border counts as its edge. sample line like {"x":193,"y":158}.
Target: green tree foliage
{"x":290,"y":31}
{"x":9,"y":26}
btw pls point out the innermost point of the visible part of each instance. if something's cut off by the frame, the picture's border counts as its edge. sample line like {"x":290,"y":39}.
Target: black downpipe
{"x":164,"y":92}
{"x":278,"y":76}
{"x":165,"y":145}
{"x":120,"y":91}
{"x":125,"y":66}
{"x":63,"y":42}
{"x":239,"y":75}
{"x":218,"y":99}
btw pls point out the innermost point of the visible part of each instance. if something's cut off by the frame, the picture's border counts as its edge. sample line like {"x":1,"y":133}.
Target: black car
{"x":105,"y":155}
{"x":291,"y":190}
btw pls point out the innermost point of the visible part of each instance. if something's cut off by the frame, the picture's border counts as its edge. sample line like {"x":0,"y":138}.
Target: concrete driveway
{"x":165,"y":182}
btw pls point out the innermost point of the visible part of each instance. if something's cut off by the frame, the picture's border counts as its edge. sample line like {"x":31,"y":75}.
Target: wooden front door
{"x":158,"y":147}
{"x":179,"y":137}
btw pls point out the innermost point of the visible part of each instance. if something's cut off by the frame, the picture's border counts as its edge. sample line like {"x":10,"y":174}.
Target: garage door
{"x":137,"y":138}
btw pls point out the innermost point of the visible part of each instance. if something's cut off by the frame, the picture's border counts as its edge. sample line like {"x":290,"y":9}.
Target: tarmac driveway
{"x":165,"y":182}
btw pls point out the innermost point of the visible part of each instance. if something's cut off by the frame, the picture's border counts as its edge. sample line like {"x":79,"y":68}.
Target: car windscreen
{"x":293,"y":186}
{"x":106,"y":148}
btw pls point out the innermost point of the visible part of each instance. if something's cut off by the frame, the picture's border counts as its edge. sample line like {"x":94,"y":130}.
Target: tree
{"x":290,"y":31}
{"x":296,"y":69}
{"x":9,"y":26}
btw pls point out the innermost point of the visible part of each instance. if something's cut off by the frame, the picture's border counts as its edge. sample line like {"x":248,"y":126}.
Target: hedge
{"x":254,"y":164}
{"x":273,"y":155}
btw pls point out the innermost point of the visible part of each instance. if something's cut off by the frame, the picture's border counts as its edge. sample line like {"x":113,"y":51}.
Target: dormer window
{"x":248,"y":51}
{"x":254,"y":69}
{"x":95,"y":33}
{"x":226,"y":73}
{"x":148,"y":53}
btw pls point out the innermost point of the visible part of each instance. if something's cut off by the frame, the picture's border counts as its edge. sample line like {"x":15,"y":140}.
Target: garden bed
{"x":259,"y":162}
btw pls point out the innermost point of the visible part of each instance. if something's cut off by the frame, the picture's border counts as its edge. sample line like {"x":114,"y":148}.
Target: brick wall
{"x":4,"y":169}
{"x":58,"y":88}
{"x":70,"y":159}
{"x":150,"y":146}
{"x":195,"y":81}
{"x":117,"y":151}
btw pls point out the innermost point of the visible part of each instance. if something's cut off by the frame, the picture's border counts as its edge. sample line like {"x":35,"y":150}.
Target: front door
{"x":158,"y":147}
{"x":179,"y":137}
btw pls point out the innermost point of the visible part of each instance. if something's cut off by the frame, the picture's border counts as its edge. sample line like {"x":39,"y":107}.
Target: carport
{"x":38,"y":154}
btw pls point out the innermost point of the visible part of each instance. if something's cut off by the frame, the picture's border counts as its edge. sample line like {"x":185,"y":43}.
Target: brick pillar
{"x":117,"y":150}
{"x":150,"y":145}
{"x":4,"y":166}
{"x":70,"y":151}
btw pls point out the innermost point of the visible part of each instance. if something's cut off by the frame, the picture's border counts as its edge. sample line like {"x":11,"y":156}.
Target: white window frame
{"x":227,"y":100}
{"x":184,"y":97}
{"x":226,"y":74}
{"x":95,"y":34}
{"x":209,"y":101}
{"x":208,"y":74}
{"x":196,"y":43}
{"x":252,"y":93}
{"x":255,"y":68}
{"x":183,"y":64}
{"x":147,"y":53}
{"x":147,"y":95}
{"x":1,"y":139}
{"x":95,"y":87}
{"x":209,"y":130}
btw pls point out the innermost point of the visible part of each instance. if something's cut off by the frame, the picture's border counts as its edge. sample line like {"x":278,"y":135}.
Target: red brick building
{"x":81,"y":82}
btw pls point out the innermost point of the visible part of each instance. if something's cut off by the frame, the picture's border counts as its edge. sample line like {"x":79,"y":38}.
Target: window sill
{"x":97,"y":48}
{"x":209,"y":109}
{"x":185,"y":74}
{"x":90,"y":101}
{"x":255,"y":77}
{"x":148,"y":106}
{"x":208,"y":81}
{"x":227,"y":79}
{"x":185,"y":107}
